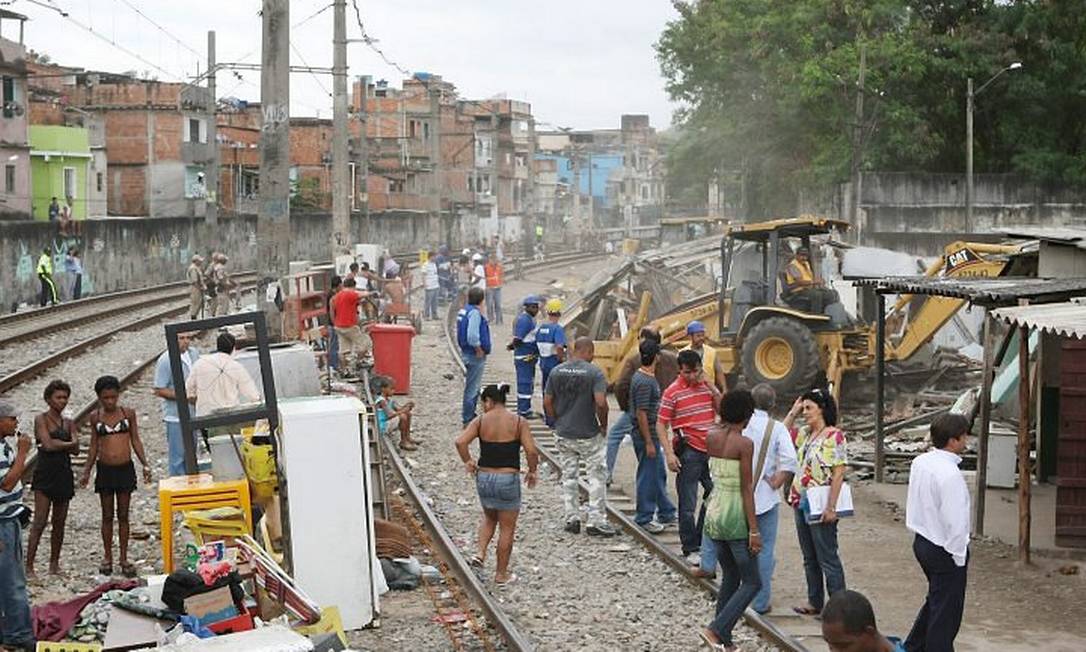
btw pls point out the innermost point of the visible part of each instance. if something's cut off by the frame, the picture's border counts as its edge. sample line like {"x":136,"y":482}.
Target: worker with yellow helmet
{"x":550,"y":337}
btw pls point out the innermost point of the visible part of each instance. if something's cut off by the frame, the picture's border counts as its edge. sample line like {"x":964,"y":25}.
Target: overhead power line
{"x":162,"y":29}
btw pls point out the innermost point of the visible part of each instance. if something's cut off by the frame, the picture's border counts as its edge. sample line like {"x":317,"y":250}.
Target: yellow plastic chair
{"x":195,"y":492}
{"x":210,"y":524}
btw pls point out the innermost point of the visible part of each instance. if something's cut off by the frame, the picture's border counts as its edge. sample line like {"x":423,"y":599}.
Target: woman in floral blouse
{"x":820,"y":445}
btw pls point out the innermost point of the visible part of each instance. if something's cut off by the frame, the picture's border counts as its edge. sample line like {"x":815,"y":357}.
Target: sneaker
{"x":573,"y":526}
{"x":532,"y":416}
{"x":693,"y":559}
{"x":703,"y":574}
{"x":652,"y":527}
{"x":601,"y":530}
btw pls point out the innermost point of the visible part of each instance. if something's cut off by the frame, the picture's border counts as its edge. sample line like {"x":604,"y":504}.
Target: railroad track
{"x":178,"y":306}
{"x":20,"y":326}
{"x":622,"y":507}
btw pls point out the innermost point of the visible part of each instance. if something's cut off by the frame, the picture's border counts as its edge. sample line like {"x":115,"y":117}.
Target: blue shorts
{"x":500,"y":491}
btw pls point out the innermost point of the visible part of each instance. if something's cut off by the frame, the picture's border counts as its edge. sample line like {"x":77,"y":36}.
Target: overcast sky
{"x":580,"y":63}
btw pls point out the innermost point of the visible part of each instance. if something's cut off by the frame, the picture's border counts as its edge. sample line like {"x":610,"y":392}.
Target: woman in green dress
{"x":730,"y":519}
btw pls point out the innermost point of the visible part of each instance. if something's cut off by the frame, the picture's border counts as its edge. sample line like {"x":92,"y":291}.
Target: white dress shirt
{"x":938,"y":503}
{"x":781,"y":456}
{"x":218,"y":382}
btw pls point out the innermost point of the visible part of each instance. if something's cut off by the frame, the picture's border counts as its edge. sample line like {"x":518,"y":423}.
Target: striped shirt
{"x":11,"y":502}
{"x":688,"y":408}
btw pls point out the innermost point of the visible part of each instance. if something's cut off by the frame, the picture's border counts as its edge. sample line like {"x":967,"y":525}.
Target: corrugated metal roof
{"x":1067,"y":319}
{"x":985,"y":290}
{"x":1063,"y":235}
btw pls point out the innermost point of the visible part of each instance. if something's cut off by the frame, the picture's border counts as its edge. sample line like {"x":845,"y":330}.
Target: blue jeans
{"x":818,"y":542}
{"x":693,"y":472}
{"x":494,"y":305}
{"x":525,"y":385}
{"x":14,"y":600}
{"x":622,"y":426}
{"x":431,"y":303}
{"x":176,"y":446}
{"x":473,"y":381}
{"x":767,"y":525}
{"x":738,"y":585}
{"x":652,"y":498}
{"x":333,"y":348}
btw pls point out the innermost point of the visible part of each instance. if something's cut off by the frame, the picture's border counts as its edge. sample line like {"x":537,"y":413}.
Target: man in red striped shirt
{"x":689,"y":405}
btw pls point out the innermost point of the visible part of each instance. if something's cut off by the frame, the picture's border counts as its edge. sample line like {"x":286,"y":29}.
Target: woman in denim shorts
{"x":501,"y":436}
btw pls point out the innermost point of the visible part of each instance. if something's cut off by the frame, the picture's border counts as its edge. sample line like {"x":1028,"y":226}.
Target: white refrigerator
{"x":325,"y":454}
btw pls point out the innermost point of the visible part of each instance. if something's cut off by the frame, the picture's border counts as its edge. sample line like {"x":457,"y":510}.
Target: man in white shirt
{"x":937,"y":510}
{"x":432,"y":284}
{"x":478,"y":273}
{"x":777,"y":469}
{"x":218,"y":381}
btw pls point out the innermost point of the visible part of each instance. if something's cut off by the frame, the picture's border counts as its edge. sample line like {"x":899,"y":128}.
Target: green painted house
{"x":60,"y":164}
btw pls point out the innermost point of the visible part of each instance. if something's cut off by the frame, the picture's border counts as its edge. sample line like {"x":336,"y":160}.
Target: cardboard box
{"x":213,"y":606}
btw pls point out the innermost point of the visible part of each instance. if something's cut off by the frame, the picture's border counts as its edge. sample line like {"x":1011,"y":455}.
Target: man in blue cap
{"x":710,"y":363}
{"x":525,"y":354}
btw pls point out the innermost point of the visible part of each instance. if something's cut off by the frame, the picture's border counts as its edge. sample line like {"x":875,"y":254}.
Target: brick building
{"x":154,"y":135}
{"x":14,"y":132}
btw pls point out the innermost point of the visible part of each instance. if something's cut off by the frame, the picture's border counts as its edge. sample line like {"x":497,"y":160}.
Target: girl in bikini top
{"x":102,"y":429}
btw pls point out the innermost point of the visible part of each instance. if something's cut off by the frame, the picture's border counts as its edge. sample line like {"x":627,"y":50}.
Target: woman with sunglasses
{"x":822,"y":457}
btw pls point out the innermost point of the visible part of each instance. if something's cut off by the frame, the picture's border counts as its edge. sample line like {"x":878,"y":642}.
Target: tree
{"x":769,"y":88}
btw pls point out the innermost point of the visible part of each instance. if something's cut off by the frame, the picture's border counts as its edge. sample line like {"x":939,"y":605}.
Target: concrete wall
{"x":130,"y":253}
{"x":920,"y":213}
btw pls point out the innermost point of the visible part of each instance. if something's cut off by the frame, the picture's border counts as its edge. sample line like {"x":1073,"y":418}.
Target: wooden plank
{"x":1025,"y":478}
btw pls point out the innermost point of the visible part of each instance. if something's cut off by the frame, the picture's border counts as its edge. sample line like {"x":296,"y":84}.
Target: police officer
{"x":525,"y":355}
{"x":45,"y":275}
{"x":195,"y":278}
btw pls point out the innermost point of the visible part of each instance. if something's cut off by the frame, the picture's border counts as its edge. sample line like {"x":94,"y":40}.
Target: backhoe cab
{"x":779,"y":317}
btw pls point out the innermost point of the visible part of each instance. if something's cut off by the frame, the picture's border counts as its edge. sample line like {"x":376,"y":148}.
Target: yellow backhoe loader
{"x":767,"y":338}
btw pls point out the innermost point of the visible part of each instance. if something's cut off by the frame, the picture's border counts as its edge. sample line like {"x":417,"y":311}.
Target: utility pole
{"x":857,"y":147}
{"x":364,"y":162}
{"x":211,"y":210}
{"x":341,"y":212}
{"x":273,"y":219}
{"x":969,"y":156}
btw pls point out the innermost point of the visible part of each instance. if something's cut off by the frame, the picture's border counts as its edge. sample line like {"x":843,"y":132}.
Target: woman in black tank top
{"x":53,"y":482}
{"x":501,"y":435}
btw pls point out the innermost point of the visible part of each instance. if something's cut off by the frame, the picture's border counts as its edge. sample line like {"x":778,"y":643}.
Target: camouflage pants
{"x":591,"y":452}
{"x":196,"y":302}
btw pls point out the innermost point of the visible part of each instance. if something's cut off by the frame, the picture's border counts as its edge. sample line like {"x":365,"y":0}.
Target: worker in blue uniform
{"x":550,"y":338}
{"x":525,"y":354}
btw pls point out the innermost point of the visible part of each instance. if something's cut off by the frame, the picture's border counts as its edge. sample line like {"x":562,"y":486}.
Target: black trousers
{"x":941,"y":616}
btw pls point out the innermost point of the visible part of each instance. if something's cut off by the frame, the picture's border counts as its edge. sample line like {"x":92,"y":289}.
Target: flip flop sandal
{"x":105,"y":569}
{"x":404,"y":446}
{"x":715,"y":647}
{"x":476,"y":561}
{"x":512,"y":578}
{"x":128,"y":570}
{"x":807,"y":611}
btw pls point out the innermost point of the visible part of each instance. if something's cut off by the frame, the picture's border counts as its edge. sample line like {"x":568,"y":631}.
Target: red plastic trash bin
{"x":392,"y":354}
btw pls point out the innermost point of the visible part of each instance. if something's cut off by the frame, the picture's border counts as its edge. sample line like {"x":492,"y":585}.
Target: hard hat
{"x":554,"y":306}
{"x":695,"y":327}
{"x":477,"y":257}
{"x":465,"y":252}
{"x":532,"y":300}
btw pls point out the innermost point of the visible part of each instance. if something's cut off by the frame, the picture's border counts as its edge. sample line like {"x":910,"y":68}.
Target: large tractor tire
{"x":782,"y":352}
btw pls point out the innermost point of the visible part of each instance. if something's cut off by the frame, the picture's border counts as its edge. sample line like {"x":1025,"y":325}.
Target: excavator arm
{"x":927,"y":314}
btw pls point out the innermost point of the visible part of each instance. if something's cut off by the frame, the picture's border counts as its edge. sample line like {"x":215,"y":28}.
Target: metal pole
{"x":364,"y":161}
{"x":985,"y":425}
{"x":1024,"y":475}
{"x":273,"y":219}
{"x":211,"y":210}
{"x":341,"y":213}
{"x":969,"y":156}
{"x":880,"y":386}
{"x":857,"y":146}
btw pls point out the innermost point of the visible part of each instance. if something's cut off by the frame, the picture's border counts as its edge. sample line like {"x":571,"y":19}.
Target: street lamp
{"x":970,"y":94}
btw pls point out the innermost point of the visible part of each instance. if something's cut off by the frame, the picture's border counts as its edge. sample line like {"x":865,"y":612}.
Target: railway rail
{"x":621,"y":509}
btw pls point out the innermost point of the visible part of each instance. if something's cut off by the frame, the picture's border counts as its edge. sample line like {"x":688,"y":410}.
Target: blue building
{"x":603,"y":166}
